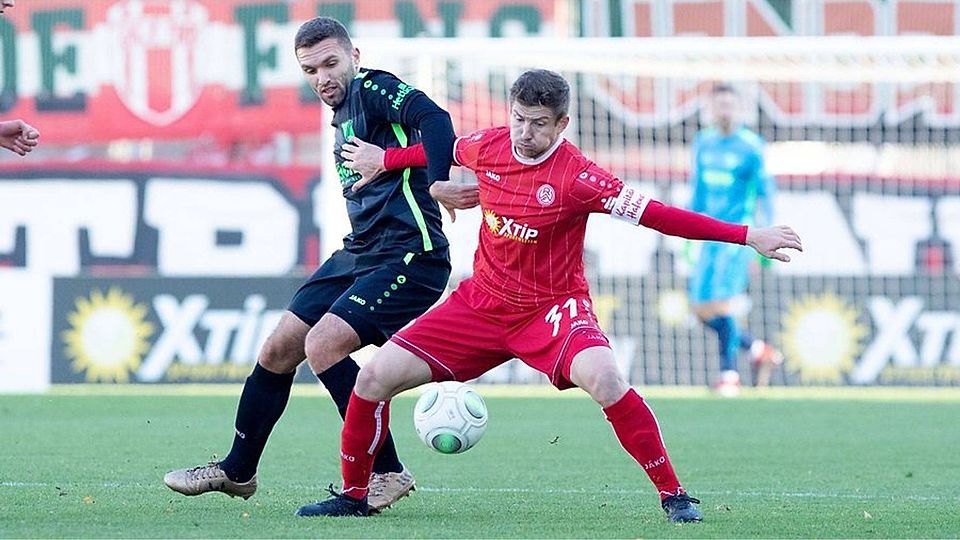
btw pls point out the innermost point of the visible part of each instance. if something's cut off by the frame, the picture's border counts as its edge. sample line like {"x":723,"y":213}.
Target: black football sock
{"x":264,"y":397}
{"x":339,"y":380}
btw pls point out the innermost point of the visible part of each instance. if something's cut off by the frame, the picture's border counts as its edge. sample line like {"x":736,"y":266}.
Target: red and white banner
{"x":100,"y":70}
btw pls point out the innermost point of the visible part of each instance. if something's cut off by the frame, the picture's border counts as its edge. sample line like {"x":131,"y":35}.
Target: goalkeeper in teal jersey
{"x":730,"y":183}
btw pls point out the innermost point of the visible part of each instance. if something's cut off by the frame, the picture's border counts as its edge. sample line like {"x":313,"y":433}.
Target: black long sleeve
{"x":436,"y":133}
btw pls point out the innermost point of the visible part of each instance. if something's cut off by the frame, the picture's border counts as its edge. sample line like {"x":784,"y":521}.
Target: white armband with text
{"x":629,"y":205}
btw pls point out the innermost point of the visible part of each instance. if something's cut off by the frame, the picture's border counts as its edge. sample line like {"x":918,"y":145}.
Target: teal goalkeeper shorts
{"x":721,"y":273}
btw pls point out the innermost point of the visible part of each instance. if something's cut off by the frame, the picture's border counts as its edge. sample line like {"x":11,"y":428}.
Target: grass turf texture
{"x":85,"y":462}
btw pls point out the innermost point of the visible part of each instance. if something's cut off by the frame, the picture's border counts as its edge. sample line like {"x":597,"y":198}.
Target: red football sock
{"x":639,"y":434}
{"x":364,"y":430}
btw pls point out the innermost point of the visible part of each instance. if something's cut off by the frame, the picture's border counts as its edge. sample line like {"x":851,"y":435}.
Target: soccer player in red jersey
{"x":528,"y":297}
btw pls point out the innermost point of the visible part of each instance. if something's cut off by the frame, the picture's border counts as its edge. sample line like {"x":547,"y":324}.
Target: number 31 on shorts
{"x":556,"y":313}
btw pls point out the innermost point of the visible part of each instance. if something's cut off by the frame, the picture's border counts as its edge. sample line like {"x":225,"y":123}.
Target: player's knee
{"x":607,"y":385}
{"x":703,"y":312}
{"x":319,"y":354}
{"x":279,"y":357}
{"x":371,"y":383}
{"x":329,"y":341}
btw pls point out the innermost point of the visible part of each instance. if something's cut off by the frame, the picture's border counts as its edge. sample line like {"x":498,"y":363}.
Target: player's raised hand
{"x":454,"y":196}
{"x":18,"y":136}
{"x":364,"y":158}
{"x":768,"y":240}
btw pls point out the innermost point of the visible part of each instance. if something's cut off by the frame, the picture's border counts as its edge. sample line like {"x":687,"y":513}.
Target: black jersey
{"x":395,"y":213}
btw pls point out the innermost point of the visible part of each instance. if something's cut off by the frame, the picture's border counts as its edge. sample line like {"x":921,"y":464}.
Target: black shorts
{"x":375,"y":298}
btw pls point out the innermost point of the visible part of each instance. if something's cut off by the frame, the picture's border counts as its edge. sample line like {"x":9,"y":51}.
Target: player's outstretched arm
{"x":18,"y":136}
{"x":370,"y":160}
{"x":769,"y":240}
{"x":631,"y":206}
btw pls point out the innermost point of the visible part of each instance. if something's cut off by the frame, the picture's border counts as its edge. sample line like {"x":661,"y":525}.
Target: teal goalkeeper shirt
{"x":729,"y":177}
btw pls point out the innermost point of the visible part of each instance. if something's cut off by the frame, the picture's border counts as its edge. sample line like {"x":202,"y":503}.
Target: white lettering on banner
{"x":891,"y":243}
{"x":247,"y":339}
{"x":177,"y":341}
{"x":189,"y":214}
{"x":936,"y":328}
{"x":892,"y":341}
{"x":25,"y":326}
{"x":53,"y":212}
{"x":247,"y":328}
{"x":329,"y":211}
{"x":948,"y":226}
{"x":953,"y":354}
{"x":220,"y":324}
{"x":829,"y":246}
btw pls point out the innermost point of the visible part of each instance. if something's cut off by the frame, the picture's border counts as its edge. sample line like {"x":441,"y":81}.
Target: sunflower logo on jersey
{"x":492,"y":221}
{"x":510,"y":228}
{"x":108,"y":336}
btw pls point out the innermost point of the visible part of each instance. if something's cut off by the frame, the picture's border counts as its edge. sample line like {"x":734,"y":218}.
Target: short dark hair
{"x":320,"y":28}
{"x":542,"y":87}
{"x":723,"y":88}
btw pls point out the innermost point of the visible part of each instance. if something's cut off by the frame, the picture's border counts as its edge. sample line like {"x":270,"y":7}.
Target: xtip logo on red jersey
{"x":509,"y":228}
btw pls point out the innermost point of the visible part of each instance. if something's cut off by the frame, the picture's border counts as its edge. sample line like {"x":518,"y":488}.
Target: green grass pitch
{"x":84,"y":462}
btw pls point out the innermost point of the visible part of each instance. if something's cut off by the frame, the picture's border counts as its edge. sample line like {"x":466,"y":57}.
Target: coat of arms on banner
{"x":157,"y":45}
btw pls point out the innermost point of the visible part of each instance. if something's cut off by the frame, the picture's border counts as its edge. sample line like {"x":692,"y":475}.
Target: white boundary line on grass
{"x":558,"y":491}
{"x":777,"y":393}
{"x":809,"y":495}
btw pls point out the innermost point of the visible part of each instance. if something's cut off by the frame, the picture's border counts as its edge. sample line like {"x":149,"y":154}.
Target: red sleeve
{"x":466,"y":152}
{"x":467,"y":149}
{"x":601,"y":192}
{"x":402,"y":158}
{"x":595,"y":189}
{"x":677,"y":222}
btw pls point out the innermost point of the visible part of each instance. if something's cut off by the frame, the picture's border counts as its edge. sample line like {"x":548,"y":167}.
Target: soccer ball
{"x":450,"y":417}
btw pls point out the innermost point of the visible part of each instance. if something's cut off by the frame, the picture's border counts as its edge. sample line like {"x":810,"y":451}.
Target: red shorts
{"x":466,"y":336}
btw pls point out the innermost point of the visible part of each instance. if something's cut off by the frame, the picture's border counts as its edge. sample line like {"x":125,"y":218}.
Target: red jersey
{"x":535,"y":216}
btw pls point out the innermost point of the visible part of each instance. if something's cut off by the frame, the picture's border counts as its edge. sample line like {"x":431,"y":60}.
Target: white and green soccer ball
{"x":450,"y":417}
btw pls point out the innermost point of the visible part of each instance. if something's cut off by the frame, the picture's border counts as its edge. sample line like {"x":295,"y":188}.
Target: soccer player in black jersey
{"x":393,"y":266}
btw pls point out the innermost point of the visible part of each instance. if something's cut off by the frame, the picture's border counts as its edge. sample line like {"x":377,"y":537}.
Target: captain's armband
{"x":629,"y":205}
